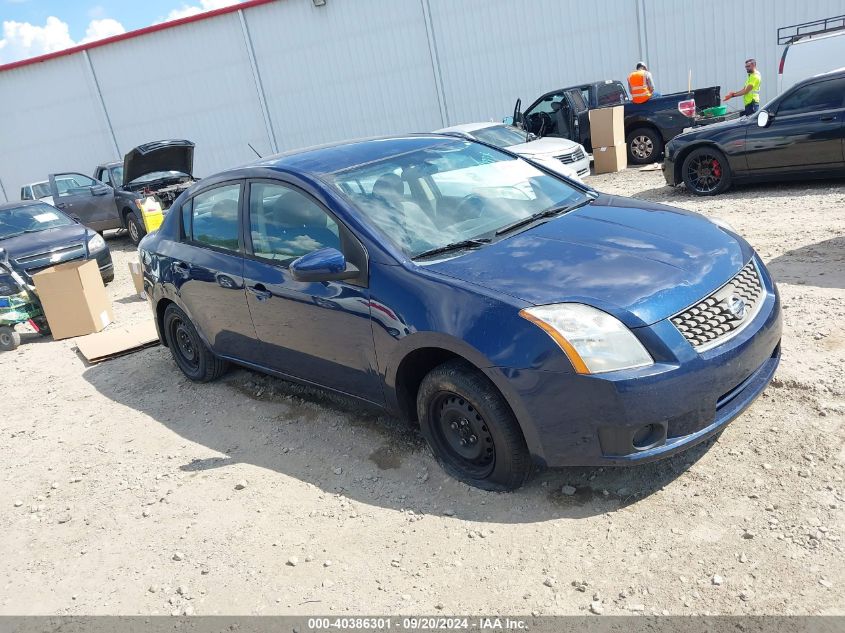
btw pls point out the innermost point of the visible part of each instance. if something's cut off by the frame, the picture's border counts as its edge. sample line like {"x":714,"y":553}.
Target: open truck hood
{"x":640,"y":261}
{"x":172,"y":155}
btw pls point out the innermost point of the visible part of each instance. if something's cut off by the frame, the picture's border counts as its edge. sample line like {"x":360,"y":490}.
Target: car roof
{"x":468,"y":127}
{"x":335,"y":157}
{"x":37,"y":182}
{"x":20,"y":203}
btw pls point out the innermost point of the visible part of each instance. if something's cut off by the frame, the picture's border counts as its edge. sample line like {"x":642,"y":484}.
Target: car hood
{"x":44,"y":241}
{"x":173,"y":155}
{"x":545,"y":145}
{"x":640,"y":261}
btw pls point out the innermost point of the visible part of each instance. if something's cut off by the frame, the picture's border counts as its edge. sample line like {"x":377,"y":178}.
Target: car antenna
{"x":254,"y":150}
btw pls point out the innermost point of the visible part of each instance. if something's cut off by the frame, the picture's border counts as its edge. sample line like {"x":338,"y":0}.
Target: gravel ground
{"x":128,"y":490}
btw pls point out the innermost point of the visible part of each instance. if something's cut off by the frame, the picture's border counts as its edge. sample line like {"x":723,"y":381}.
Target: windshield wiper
{"x":454,"y":246}
{"x":546,"y":213}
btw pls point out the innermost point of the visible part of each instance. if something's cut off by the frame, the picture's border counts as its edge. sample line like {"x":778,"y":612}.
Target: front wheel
{"x":192,"y":356}
{"x":644,"y":146}
{"x":136,"y":231}
{"x":471,"y":429}
{"x":9,"y":339}
{"x":706,"y":172}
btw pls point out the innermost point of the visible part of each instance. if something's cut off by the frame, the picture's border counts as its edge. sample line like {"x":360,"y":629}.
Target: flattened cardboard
{"x":74,"y":298}
{"x":610,"y":159}
{"x":118,"y":341}
{"x":607,"y":126}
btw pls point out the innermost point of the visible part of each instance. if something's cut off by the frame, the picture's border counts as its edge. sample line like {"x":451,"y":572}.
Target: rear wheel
{"x":471,"y":429}
{"x":644,"y":146}
{"x":136,"y":231}
{"x":706,"y":172}
{"x":190,"y":353}
{"x":9,"y":339}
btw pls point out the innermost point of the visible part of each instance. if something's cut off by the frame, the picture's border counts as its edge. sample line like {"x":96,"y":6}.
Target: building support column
{"x":105,"y":112}
{"x":259,"y":87}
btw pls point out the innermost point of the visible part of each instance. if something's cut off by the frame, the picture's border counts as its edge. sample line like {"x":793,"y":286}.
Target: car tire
{"x":471,"y":429}
{"x":645,"y":146}
{"x":136,"y":230}
{"x":706,"y":172}
{"x":189,"y":351}
{"x":108,"y":278}
{"x":9,"y":339}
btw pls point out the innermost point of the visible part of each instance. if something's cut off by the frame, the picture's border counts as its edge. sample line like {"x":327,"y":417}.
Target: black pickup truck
{"x":648,"y":126}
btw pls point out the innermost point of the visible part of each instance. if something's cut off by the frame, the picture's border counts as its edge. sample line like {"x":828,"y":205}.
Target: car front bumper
{"x":669,"y":167}
{"x":588,"y":420}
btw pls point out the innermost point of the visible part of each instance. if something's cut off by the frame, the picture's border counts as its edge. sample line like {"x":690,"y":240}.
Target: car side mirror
{"x":763,"y":118}
{"x":508,"y":120}
{"x":326,"y":264}
{"x":99,"y":190}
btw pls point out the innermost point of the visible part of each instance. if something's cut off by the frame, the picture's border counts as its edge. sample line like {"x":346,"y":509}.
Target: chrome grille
{"x":31,"y":264}
{"x":566,"y":159}
{"x":724,"y":313}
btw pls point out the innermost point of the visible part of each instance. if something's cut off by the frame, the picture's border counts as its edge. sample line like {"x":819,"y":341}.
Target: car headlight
{"x":96,"y":243}
{"x":594,"y":341}
{"x":723,"y":224}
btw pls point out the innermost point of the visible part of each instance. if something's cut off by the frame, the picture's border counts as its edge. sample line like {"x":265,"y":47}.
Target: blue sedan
{"x":522,"y":320}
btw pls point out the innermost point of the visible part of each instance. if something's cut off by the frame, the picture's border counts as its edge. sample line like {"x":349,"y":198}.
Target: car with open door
{"x":520,"y":318}
{"x":564,"y":113}
{"x":147,"y":181}
{"x":799,"y":135}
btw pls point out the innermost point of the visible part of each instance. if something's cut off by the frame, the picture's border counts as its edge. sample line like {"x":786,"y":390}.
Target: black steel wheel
{"x":9,"y":339}
{"x":192,"y":356}
{"x":644,"y":146}
{"x":136,"y":231}
{"x":471,"y":429}
{"x":706,"y":172}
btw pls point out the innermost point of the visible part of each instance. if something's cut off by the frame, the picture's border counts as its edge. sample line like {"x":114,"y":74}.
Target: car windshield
{"x":41,"y":190}
{"x":454,"y":191}
{"x":30,"y":219}
{"x":154,"y":175}
{"x":500,"y":135}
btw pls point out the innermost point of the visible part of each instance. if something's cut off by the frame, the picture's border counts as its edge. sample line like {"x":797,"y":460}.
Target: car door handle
{"x":61,"y":205}
{"x":260,"y":291}
{"x":828,"y":117}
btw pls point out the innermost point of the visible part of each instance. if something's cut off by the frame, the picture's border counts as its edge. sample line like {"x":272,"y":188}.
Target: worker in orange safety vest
{"x":641,"y":84}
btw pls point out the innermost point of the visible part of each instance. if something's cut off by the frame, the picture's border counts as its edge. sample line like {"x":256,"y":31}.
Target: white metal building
{"x":281,"y":74}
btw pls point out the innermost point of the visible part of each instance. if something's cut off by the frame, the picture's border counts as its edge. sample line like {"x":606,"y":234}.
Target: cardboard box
{"x":607,"y":126}
{"x":609,"y":159}
{"x":74,"y":298}
{"x":137,"y":278}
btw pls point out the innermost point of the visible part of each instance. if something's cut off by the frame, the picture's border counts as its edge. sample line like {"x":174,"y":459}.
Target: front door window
{"x":285,"y":223}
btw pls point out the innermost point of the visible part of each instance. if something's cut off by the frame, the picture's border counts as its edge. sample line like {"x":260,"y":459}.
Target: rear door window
{"x":824,"y":95}
{"x":609,"y":94}
{"x":214,"y":217}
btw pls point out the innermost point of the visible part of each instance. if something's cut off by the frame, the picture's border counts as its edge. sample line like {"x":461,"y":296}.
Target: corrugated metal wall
{"x":715,"y":40}
{"x":288,"y":74}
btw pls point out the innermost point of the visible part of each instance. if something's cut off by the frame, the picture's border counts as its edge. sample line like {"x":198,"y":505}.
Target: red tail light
{"x":687,"y":108}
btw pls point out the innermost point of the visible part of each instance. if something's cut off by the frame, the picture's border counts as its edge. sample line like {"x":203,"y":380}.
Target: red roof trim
{"x":135,"y":33}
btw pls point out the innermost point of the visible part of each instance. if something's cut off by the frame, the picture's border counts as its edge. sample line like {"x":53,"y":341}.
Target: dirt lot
{"x":120,"y":481}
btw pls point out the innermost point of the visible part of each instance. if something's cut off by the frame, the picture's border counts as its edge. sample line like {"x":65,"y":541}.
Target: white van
{"x":810,"y":48}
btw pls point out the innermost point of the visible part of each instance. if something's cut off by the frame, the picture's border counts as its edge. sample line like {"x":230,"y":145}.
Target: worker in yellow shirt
{"x":750,"y":93}
{"x":641,"y":84}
